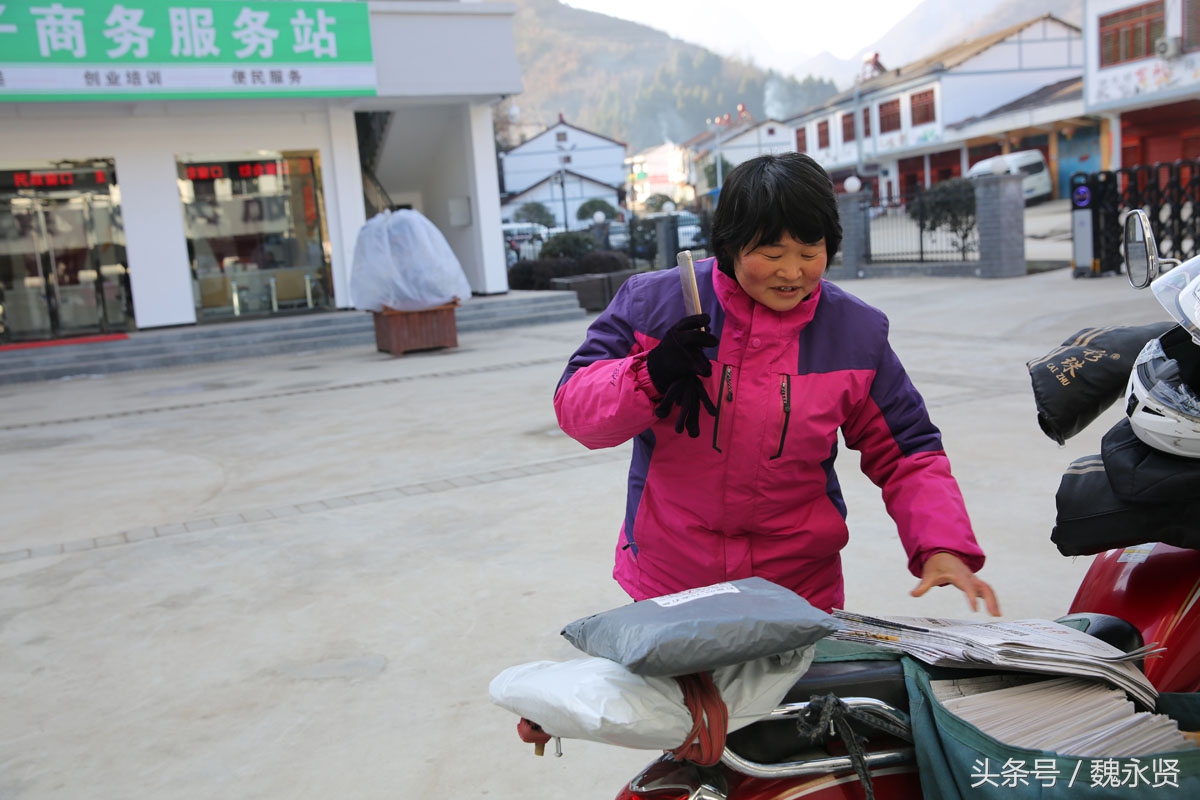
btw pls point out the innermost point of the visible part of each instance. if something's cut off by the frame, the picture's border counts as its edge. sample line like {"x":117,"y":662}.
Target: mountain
{"x":638,"y":85}
{"x":935,"y":25}
{"x":633,"y":83}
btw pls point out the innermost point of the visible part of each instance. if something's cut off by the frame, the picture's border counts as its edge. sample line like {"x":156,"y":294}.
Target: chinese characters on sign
{"x":1152,"y":773}
{"x":100,"y":49}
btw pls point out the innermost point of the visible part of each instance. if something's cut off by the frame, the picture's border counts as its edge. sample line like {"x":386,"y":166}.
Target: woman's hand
{"x":943,"y":569}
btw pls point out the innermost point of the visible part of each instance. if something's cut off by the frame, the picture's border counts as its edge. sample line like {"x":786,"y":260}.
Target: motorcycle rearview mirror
{"x":1141,"y":253}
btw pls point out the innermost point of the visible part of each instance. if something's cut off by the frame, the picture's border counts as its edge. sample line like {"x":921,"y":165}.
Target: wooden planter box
{"x":398,"y":332}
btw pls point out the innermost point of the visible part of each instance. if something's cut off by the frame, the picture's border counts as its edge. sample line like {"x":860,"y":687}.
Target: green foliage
{"x":710,"y":171}
{"x":603,"y":261}
{"x":635,"y":84}
{"x":569,"y":244}
{"x":655,"y":202}
{"x":590,"y":207}
{"x":535,"y":212}
{"x":948,"y":205}
{"x":538,"y":273}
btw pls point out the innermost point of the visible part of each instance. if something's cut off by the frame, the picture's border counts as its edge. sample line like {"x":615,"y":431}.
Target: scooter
{"x":1130,"y":596}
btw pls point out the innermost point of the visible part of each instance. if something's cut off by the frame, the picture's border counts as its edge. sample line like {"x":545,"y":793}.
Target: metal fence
{"x":1169,"y":193}
{"x":907,"y":230}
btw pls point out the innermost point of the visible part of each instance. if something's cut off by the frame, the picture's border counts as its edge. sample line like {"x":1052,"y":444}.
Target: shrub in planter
{"x":604,"y":261}
{"x":537,"y":274}
{"x":571,"y":244}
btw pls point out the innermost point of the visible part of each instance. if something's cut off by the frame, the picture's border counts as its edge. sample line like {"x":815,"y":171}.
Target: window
{"x":866,"y":122}
{"x":801,"y":140}
{"x":1130,"y":35}
{"x":255,"y":232}
{"x":889,"y":116}
{"x":923,"y":111}
{"x":561,"y":136}
{"x":565,"y":159}
{"x":847,"y":127}
{"x":823,"y":134}
{"x":770,"y":131}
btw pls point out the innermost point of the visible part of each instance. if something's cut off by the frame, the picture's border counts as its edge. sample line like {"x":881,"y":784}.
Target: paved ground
{"x":295,"y":577}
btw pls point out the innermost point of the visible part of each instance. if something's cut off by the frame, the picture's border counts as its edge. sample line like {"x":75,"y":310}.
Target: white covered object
{"x":402,"y":261}
{"x":602,"y":701}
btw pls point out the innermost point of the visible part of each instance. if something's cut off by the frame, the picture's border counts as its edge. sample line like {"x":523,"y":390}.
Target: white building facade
{"x":893,"y":126}
{"x":564,"y":156}
{"x":1142,"y":75}
{"x":661,"y":170}
{"x":166,"y":166}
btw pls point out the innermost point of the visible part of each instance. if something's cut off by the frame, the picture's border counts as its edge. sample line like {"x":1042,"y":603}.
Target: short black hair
{"x":767,"y":196}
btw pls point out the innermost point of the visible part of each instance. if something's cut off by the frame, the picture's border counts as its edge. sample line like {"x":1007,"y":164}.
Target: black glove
{"x":680,"y":354}
{"x":688,"y":393}
{"x":676,"y":365}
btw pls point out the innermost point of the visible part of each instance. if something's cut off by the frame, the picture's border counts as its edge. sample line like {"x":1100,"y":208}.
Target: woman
{"x":762,"y":381}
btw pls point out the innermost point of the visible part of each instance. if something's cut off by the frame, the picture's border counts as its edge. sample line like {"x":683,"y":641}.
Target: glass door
{"x":26,"y":277}
{"x":61,"y":269}
{"x":73,"y":283}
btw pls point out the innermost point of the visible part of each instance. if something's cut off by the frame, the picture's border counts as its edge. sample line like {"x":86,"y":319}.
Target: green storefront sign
{"x":161,"y":50}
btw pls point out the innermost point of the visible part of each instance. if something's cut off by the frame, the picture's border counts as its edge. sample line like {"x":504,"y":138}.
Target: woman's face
{"x":781,"y":275}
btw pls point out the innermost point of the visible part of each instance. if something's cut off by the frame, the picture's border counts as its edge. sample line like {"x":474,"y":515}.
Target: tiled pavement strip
{"x":225,"y":521}
{"x":449,"y":373}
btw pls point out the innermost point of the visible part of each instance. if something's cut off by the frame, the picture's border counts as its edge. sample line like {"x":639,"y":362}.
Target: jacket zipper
{"x":724,"y":394}
{"x":785,"y":391}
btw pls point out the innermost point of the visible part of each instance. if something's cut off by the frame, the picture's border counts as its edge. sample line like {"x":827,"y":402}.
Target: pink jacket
{"x":756,"y":493}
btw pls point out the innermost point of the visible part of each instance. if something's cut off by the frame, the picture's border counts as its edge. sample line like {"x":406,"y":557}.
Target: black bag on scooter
{"x":1092,"y":517}
{"x":1074,"y":383}
{"x":1141,"y":474}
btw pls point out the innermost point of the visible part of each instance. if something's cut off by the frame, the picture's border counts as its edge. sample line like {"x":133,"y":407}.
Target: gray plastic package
{"x":702,"y":629}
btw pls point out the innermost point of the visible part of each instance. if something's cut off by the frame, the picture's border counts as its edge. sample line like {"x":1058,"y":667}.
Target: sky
{"x":770,"y":33}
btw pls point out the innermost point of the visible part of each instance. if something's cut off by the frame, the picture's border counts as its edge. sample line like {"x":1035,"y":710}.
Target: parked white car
{"x":1031,"y":164}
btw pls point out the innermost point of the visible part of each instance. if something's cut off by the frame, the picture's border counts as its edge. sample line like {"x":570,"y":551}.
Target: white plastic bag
{"x":402,"y":261}
{"x":602,"y":701}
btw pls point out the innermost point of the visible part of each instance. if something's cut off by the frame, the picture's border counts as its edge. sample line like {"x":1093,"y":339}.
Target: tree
{"x":589,"y":208}
{"x":535,"y":212}
{"x":949,"y":205}
{"x":710,"y":171}
{"x":569,"y":244}
{"x":655,"y":202}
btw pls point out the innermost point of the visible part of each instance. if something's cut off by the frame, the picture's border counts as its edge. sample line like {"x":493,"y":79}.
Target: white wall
{"x":763,"y":139}
{"x":1043,"y":53}
{"x":432,"y":49}
{"x":600,"y":159}
{"x":1136,"y":84}
{"x":549,"y":194}
{"x":145,"y":140}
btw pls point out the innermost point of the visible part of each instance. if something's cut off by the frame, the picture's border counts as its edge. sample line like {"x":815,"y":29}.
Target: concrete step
{"x":226,"y":340}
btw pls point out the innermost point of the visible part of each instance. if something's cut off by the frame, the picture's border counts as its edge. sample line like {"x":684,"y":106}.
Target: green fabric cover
{"x":951,"y":756}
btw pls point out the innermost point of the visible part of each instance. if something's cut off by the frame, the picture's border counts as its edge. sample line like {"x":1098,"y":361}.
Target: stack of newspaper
{"x":1030,"y":645}
{"x":1067,"y":716}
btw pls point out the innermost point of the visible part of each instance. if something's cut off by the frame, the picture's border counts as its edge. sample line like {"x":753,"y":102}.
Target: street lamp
{"x":562,"y":179}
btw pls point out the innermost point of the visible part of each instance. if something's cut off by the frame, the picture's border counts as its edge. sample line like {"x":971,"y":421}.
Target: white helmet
{"x":1179,"y":293}
{"x":1163,"y":408}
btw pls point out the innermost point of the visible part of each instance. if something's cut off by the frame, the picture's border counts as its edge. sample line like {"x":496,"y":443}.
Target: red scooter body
{"x":1157,"y":589}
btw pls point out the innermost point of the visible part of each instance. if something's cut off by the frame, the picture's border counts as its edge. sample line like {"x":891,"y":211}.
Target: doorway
{"x":62,"y":264}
